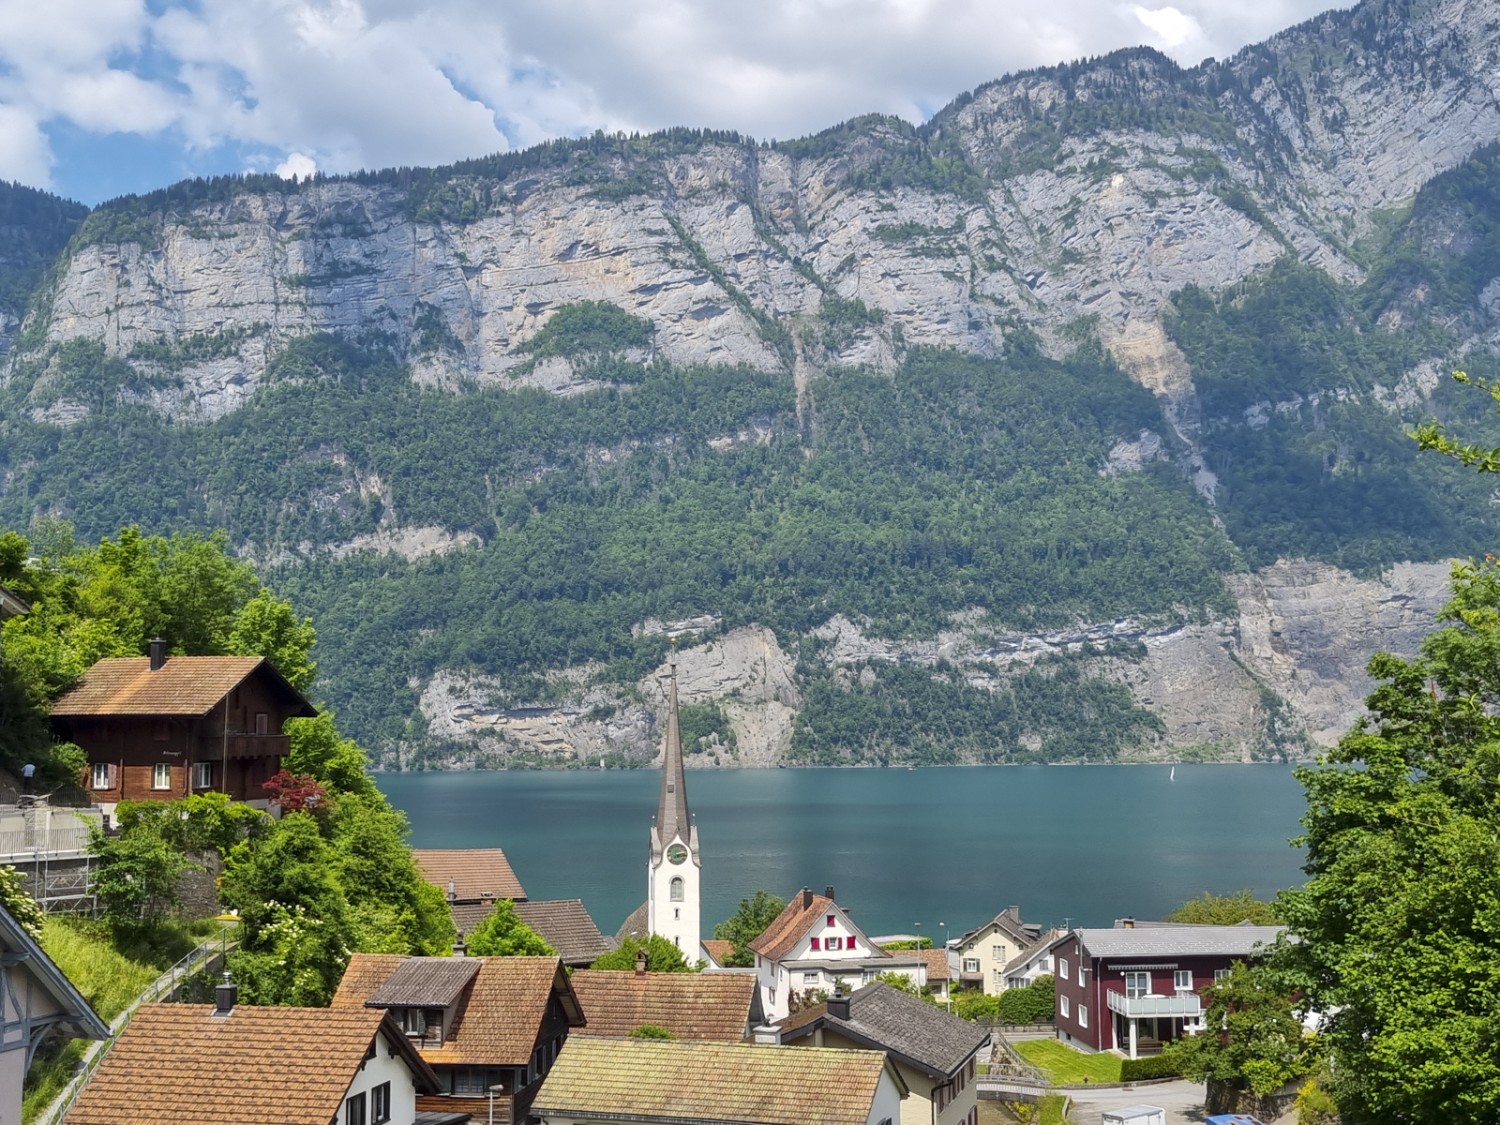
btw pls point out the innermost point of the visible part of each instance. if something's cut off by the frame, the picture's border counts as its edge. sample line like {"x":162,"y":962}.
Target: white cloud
{"x":1171,"y":26}
{"x":24,"y":155}
{"x":297,"y":165}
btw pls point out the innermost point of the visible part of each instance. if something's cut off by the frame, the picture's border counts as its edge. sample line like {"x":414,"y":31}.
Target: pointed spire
{"x":672,"y":812}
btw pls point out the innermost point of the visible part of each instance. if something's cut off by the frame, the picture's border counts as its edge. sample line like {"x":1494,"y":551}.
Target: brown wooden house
{"x":160,"y":728}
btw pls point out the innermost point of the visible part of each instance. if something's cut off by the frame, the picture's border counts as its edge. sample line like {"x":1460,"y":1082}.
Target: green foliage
{"x":1258,"y":1045}
{"x":650,"y":1031}
{"x":661,"y":957}
{"x":977,"y":1006}
{"x":1210,"y":909}
{"x":705,"y":727}
{"x":1149,"y":1068}
{"x":1066,"y":1066}
{"x":589,"y":328}
{"x":20,"y":905}
{"x":136,"y":882}
{"x":1032,"y":1004}
{"x":906,"y":943}
{"x":503,"y":934}
{"x":1397,"y":919}
{"x":34,"y":227}
{"x":318,"y":750}
{"x":748,"y":923}
{"x":899,"y":981}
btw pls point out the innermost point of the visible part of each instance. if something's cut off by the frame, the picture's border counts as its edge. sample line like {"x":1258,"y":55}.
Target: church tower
{"x":673,"y":872}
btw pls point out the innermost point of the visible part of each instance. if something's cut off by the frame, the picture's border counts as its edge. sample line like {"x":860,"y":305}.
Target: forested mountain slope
{"x":1070,"y":425}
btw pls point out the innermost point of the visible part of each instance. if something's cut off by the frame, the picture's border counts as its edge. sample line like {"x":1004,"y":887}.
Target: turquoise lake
{"x":1079,"y":844}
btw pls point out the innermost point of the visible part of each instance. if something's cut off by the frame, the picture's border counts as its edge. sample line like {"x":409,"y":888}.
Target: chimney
{"x":452,"y":891}
{"x":640,"y":962}
{"x":838,"y":1005}
{"x":766,"y":1035}
{"x":225,"y":995}
{"x":806,"y":899}
{"x":460,"y":947}
{"x":158,"y":652}
{"x":1127,"y":923}
{"x":828,"y":894}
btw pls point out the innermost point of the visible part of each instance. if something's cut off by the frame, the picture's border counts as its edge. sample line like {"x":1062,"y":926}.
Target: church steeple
{"x":672,"y":819}
{"x":672,"y":871}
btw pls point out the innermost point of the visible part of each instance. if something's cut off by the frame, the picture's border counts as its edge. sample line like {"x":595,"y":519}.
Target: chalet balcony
{"x":244,"y":746}
{"x":1188,"y":1005}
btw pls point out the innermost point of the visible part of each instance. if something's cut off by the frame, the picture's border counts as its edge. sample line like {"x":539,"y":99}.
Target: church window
{"x":677,"y":889}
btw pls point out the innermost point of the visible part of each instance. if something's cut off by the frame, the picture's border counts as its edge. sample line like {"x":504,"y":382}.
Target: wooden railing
{"x":235,"y":745}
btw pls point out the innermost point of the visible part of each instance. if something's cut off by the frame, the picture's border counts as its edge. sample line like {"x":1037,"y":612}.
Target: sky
{"x":100,"y":98}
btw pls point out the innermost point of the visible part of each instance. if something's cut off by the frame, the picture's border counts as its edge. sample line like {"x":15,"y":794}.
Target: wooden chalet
{"x":160,"y":728}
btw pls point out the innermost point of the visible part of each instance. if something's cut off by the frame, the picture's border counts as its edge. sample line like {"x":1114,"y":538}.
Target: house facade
{"x":197,"y":1064}
{"x":162,"y":727}
{"x":936,"y":1054}
{"x":1137,"y":986}
{"x":489,"y":1027}
{"x":1033,"y":962}
{"x":979,"y":958}
{"x":656,"y":1082}
{"x":36,"y":1000}
{"x":813,"y":947}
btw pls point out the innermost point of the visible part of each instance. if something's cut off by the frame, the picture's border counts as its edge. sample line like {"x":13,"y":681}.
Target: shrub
{"x":1142,"y":1070}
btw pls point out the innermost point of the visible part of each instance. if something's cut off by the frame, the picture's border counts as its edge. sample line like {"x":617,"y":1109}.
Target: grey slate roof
{"x":566,"y":926}
{"x":1178,"y":940}
{"x":425,"y":982}
{"x":906,"y":1027}
{"x":635,"y":924}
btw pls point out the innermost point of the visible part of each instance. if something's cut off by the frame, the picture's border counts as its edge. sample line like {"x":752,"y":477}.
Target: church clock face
{"x":677,"y":854}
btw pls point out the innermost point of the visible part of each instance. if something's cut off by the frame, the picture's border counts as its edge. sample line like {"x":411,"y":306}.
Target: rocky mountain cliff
{"x":1120,"y":213}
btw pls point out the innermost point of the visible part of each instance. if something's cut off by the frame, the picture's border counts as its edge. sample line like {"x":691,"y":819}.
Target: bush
{"x":1142,"y":1070}
{"x":1032,"y":1004}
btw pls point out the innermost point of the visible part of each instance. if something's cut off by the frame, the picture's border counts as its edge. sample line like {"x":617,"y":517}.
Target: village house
{"x":939,"y":973}
{"x":566,"y":925}
{"x":722,"y":1007}
{"x":36,"y":1000}
{"x":934,"y":1052}
{"x":979,"y":957}
{"x":471,"y":879}
{"x":644,"y":1081}
{"x":223,"y":1064}
{"x":1033,"y":962}
{"x":490,"y":1027}
{"x":161,"y":728}
{"x":812,"y":947}
{"x":1137,"y":986}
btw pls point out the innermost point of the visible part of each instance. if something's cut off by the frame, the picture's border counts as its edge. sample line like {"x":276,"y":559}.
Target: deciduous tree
{"x":503,"y":934}
{"x":1225,"y":910}
{"x":661,"y":956}
{"x":747,"y":924}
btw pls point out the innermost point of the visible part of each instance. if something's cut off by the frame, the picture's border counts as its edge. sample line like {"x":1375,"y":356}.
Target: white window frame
{"x":1062,"y":1005}
{"x":1133,"y":989}
{"x":1083,"y":1015}
{"x":101,"y":776}
{"x":971,"y":964}
{"x":203,"y":775}
{"x":1220,"y":974}
{"x":380,"y":1104}
{"x":1179,"y":984}
{"x":677,"y":888}
{"x":161,"y":775}
{"x":1062,"y":968}
{"x":812,"y":978}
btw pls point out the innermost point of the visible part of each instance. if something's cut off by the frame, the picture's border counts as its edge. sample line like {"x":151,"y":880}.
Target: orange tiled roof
{"x":499,"y":1015}
{"x":184,"y":685}
{"x":178,"y":1064}
{"x":792,"y":924}
{"x":718,"y":949}
{"x":650,"y":1080}
{"x":937,"y":962}
{"x":712,"y":1006}
{"x":478,"y":874}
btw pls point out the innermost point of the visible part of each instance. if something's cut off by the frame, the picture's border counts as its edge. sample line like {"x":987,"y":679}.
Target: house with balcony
{"x":978,"y":958}
{"x":490,"y":1027}
{"x":159,"y":727}
{"x":1138,"y":985}
{"x":814,"y":947}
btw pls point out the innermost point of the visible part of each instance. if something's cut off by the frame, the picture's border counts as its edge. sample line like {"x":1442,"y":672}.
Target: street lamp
{"x":947,"y":992}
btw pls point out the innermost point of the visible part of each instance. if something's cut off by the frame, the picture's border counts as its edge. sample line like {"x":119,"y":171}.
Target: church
{"x":674,"y":863}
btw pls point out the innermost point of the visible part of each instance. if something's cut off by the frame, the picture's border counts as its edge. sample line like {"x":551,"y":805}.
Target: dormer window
{"x":425,"y":1024}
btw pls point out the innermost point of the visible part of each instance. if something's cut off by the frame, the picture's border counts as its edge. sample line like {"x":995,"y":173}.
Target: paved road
{"x":1183,"y":1101}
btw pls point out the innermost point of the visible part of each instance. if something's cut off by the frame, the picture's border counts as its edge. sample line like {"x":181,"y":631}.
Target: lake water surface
{"x":1085,"y":844}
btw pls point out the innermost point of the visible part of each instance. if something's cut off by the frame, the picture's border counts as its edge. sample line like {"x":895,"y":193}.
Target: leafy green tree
{"x":1225,"y":910}
{"x":136,"y":881}
{"x":1254,"y":1042}
{"x":1032,"y":1004}
{"x":661,"y":956}
{"x":22,"y":907}
{"x":975,"y":1005}
{"x":503,"y":934}
{"x":899,"y":981}
{"x":1397,"y":921}
{"x":747,"y":924}
{"x":268,"y":626}
{"x":318,"y":750}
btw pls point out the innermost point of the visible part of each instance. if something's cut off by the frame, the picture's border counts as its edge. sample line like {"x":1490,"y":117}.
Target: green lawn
{"x":1067,"y":1067}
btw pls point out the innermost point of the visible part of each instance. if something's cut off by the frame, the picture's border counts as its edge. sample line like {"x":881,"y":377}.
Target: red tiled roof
{"x":184,"y":685}
{"x":499,"y":1015}
{"x":937,"y":962}
{"x":714,"y":1006}
{"x":177,"y":1064}
{"x":792,"y":924}
{"x":478,"y":874}
{"x":718,"y":949}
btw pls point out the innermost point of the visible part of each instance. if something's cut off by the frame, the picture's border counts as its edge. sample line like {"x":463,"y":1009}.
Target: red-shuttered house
{"x":160,"y":728}
{"x":1139,"y":985}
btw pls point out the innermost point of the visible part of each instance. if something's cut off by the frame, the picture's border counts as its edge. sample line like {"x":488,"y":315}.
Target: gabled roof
{"x":180,"y":1064}
{"x":651,"y":1080}
{"x":909,"y":1028}
{"x":1036,"y":948}
{"x":477,"y":874}
{"x":567,"y":927}
{"x":637,"y":924}
{"x":1009,"y":922}
{"x":1178,"y":940}
{"x":715,"y":1006}
{"x":805,"y":912}
{"x":184,"y":685}
{"x":717,"y":949}
{"x":424,"y":982}
{"x":498,"y":1016}
{"x":936,"y":960}
{"x":10,"y":605}
{"x":77,"y":1016}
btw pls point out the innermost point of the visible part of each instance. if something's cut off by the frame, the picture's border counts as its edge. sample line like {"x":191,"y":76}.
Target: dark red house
{"x":160,"y":728}
{"x":1139,"y":985}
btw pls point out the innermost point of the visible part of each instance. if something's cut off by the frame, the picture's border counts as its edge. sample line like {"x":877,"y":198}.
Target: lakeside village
{"x":790,"y":1014}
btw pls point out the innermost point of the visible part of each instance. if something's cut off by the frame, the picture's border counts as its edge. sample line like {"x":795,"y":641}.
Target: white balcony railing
{"x":1186,"y":1004}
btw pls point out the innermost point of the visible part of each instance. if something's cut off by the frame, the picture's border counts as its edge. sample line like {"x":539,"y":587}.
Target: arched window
{"x":677,"y":888}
